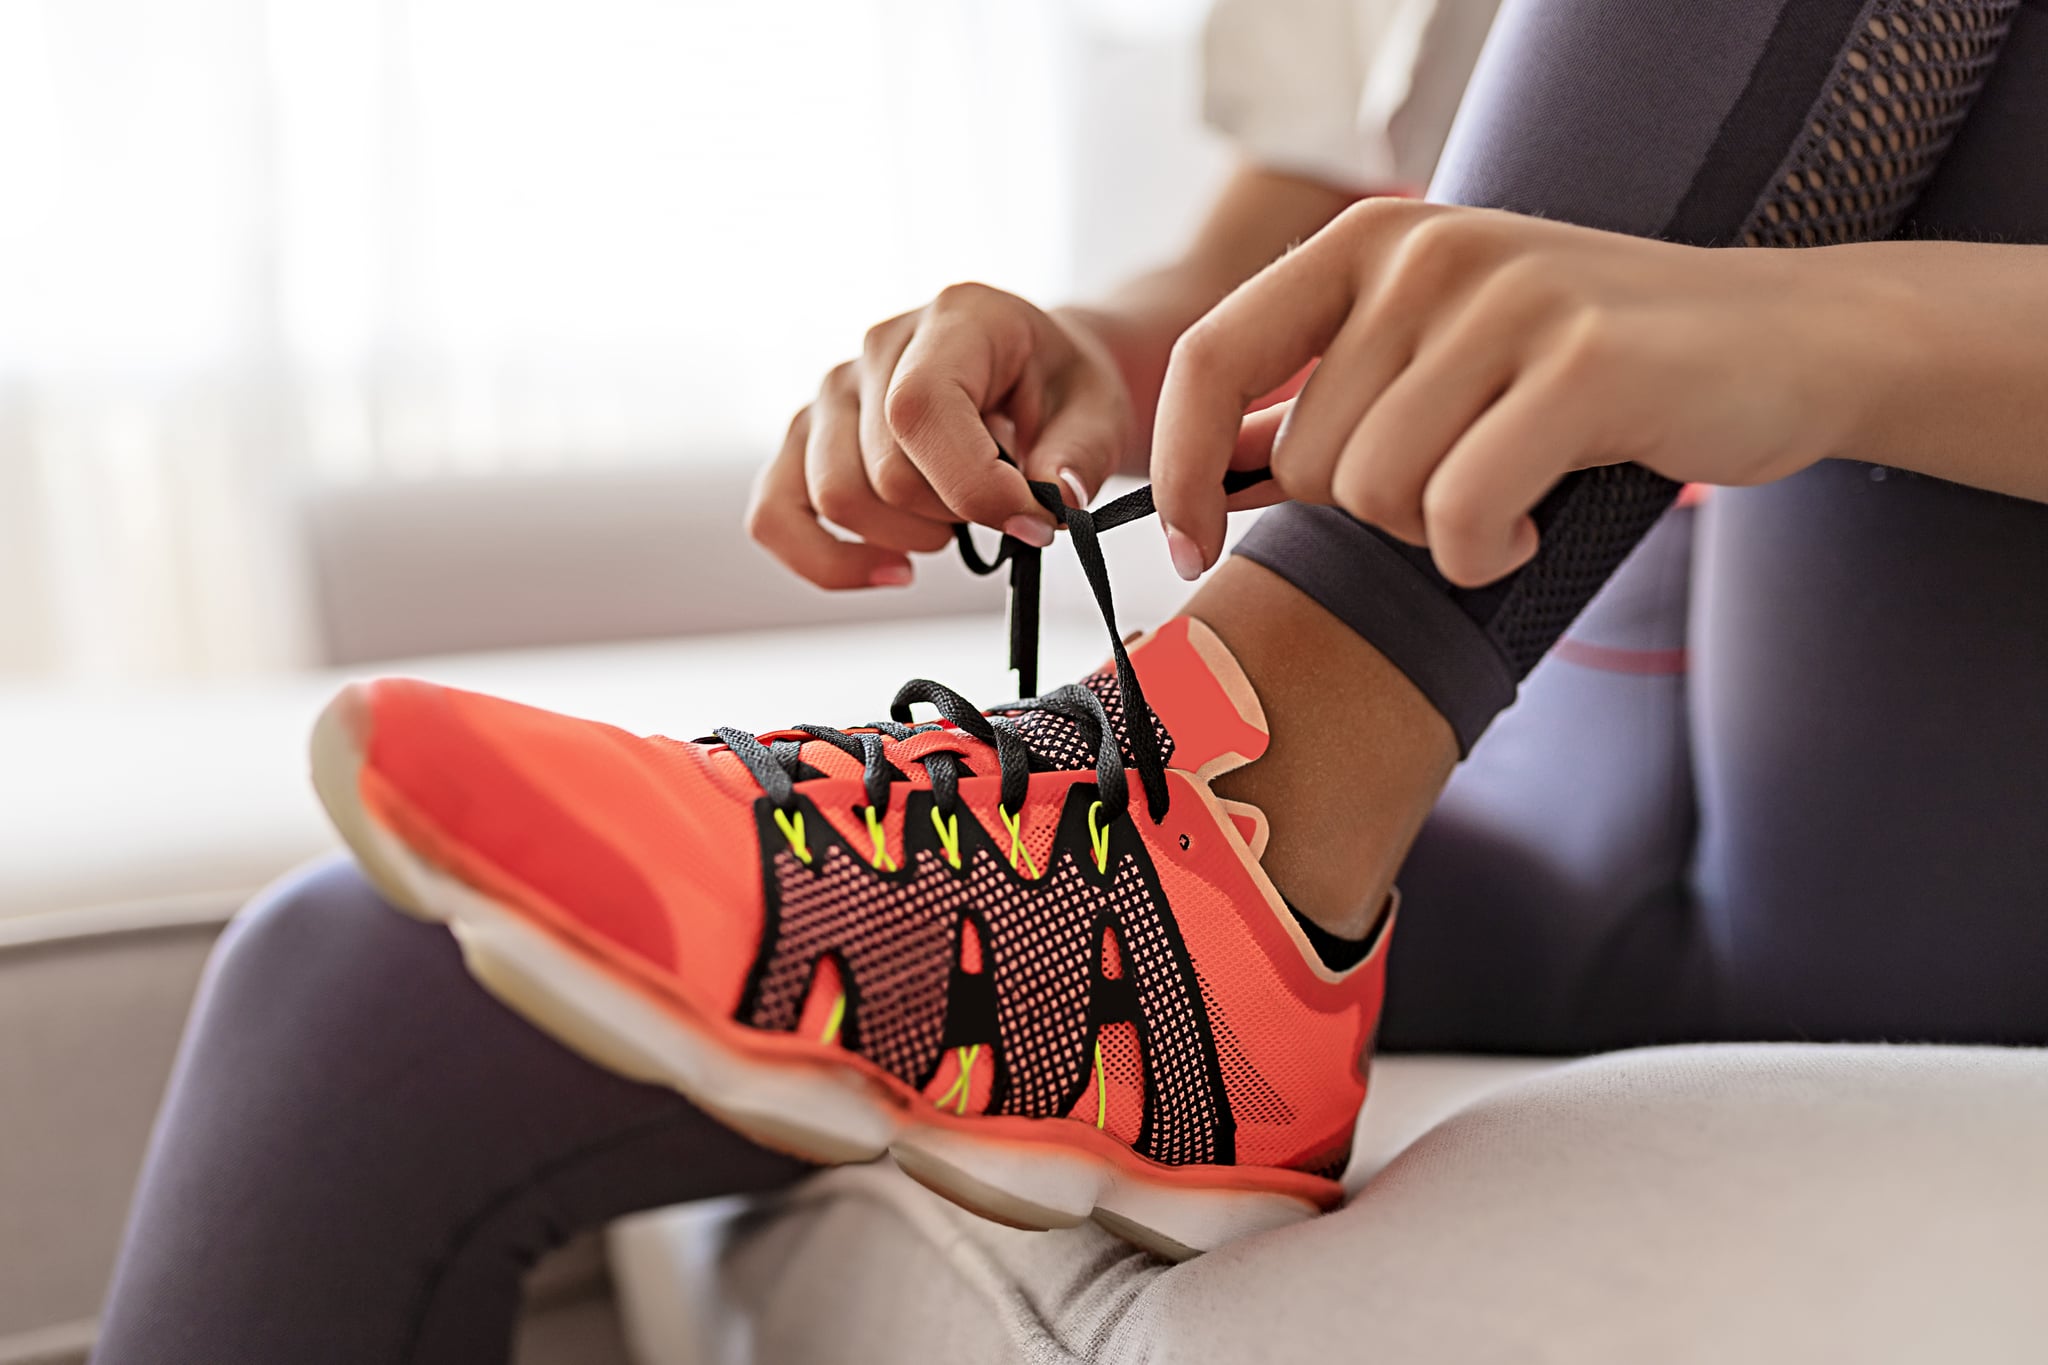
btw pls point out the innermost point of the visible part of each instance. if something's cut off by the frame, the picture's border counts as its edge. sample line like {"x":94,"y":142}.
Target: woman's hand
{"x":1470,"y":359}
{"x":896,"y":447}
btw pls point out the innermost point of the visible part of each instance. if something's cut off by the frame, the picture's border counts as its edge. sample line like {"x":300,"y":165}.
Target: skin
{"x":1470,"y":359}
{"x":897,"y":446}
{"x":1465,"y":360}
{"x":900,"y":443}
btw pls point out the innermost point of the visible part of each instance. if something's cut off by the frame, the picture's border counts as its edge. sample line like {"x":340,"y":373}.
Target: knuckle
{"x":760,"y":521}
{"x":964,"y":295}
{"x":896,"y":480}
{"x":1586,"y":345}
{"x":837,"y":500}
{"x":1523,"y":280}
{"x":1197,"y":351}
{"x":1370,"y":499}
{"x":1300,"y":478}
{"x":1453,"y":516}
{"x":1378,"y":214}
{"x":843,"y":378}
{"x":1435,"y":252}
{"x":908,"y":406}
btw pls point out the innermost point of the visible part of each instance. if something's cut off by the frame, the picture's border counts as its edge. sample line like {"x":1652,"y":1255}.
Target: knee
{"x":316,"y":935}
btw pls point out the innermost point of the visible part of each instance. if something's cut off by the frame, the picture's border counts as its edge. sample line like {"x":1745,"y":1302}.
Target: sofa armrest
{"x":91,"y":1006}
{"x":518,"y":562}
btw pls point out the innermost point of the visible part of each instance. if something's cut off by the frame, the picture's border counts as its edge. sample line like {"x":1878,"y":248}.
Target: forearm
{"x":1954,"y":337}
{"x":1258,"y":215}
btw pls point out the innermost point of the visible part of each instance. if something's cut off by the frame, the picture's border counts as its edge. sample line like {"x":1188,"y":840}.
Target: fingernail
{"x":1186,"y":555}
{"x":890,"y":576}
{"x":1077,"y":492}
{"x":1030,"y":530}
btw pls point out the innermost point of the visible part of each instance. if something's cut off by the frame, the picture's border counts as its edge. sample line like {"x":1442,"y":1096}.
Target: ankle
{"x":1357,"y":756}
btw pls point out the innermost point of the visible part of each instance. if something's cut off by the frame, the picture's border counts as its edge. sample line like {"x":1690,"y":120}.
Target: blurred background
{"x":286,"y":285}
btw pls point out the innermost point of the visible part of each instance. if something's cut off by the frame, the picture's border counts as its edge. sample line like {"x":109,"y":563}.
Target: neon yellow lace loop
{"x":1012,"y":823}
{"x":962,"y":1088}
{"x":1098,"y":836}
{"x":838,"y":1017}
{"x":793,"y":830}
{"x":949,"y":835}
{"x":1101,"y":1091}
{"x":881,"y":839}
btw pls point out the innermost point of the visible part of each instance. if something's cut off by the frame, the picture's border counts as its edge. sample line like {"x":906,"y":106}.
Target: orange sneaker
{"x":969,"y":943}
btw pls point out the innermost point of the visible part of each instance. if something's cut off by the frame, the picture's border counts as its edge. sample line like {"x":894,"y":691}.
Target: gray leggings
{"x":1784,"y":779}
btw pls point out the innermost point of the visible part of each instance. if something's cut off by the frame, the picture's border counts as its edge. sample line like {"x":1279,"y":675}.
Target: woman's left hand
{"x":1470,"y":359}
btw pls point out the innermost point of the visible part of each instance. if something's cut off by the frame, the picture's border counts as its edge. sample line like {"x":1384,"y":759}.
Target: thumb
{"x":1078,"y":449}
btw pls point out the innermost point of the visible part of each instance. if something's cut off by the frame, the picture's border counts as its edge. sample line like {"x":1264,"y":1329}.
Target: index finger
{"x":934,"y":408}
{"x":1262,"y":332}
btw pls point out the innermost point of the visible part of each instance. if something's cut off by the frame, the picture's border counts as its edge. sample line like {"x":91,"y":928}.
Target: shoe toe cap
{"x":567,"y":818}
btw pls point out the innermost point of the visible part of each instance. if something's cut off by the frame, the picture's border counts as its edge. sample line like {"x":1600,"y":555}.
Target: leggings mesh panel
{"x":1589,"y":523}
{"x":1897,"y":96}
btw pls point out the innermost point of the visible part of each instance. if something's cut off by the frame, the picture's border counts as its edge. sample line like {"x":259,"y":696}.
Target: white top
{"x":1358,"y":93}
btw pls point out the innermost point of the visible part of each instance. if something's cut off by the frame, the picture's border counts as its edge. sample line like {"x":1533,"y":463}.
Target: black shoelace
{"x":779,"y":766}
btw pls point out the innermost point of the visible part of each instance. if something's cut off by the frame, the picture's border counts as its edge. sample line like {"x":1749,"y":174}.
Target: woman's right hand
{"x":897,"y":446}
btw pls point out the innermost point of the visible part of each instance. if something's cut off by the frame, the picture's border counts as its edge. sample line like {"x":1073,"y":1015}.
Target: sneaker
{"x":1028,"y":952}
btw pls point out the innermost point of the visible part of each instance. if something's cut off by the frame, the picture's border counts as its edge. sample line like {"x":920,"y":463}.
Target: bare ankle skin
{"x":1358,"y":755}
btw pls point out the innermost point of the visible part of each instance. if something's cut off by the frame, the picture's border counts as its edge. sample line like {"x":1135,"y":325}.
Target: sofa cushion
{"x":1753,"y":1203}
{"x":699,"y":1283}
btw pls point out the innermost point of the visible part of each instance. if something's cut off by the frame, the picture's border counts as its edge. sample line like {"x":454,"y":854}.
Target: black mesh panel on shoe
{"x":1063,"y":743}
{"x":898,"y":936}
{"x":897,"y":939}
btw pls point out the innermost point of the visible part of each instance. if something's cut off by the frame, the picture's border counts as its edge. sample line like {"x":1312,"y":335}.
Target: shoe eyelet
{"x":949,"y":835}
{"x":1014,"y":824}
{"x":1098,"y":837}
{"x":881,"y":837}
{"x":791,"y":822}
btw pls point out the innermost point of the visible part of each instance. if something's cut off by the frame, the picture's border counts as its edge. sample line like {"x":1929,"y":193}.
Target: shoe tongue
{"x":1204,"y":710}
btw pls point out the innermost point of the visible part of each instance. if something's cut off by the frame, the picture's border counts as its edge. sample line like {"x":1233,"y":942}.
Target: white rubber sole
{"x":828,"y":1114}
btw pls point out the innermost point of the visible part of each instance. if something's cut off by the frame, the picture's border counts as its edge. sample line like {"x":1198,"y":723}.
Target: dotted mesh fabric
{"x":1123,"y":1067}
{"x":1123,"y":1060}
{"x":1041,"y":940}
{"x":1063,"y":743}
{"x":1187,"y":1112}
{"x":1897,"y":96}
{"x":1898,"y":91}
{"x":1589,"y":525}
{"x":1252,"y":1097}
{"x":899,"y":939}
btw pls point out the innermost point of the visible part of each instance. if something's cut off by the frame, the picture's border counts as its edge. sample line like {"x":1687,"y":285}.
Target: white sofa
{"x":1797,"y":1204}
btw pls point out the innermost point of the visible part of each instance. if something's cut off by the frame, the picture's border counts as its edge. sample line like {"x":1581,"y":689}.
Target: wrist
{"x":1875,"y":351}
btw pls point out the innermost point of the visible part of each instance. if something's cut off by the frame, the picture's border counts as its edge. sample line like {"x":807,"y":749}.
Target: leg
{"x":1548,"y":900}
{"x":1760,"y":143}
{"x":1871,"y":779}
{"x":1871,"y":784}
{"x":361,"y":1151}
